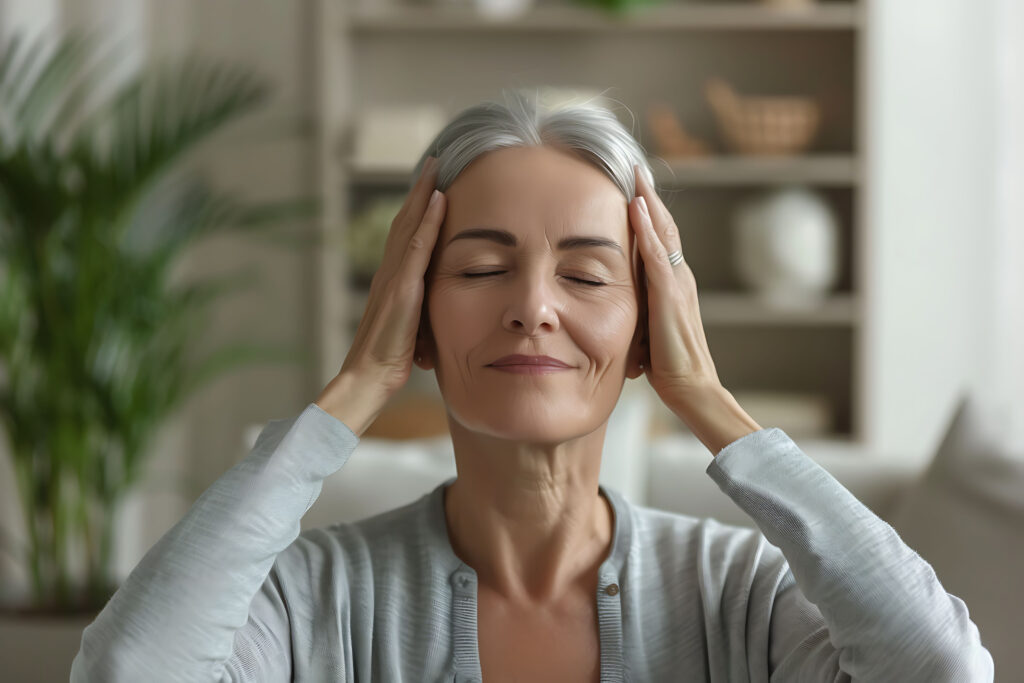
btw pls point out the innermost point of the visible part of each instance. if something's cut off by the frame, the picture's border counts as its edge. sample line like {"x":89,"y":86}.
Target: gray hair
{"x":589,"y":130}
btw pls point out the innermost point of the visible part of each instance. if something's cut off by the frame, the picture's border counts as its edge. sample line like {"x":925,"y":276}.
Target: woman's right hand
{"x":379,"y":362}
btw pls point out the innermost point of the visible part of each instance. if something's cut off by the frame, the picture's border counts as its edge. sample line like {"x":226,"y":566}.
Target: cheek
{"x":622,"y":318}
{"x":606,"y":331}
{"x":453,"y":314}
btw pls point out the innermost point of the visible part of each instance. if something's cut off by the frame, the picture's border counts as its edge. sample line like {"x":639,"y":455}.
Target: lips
{"x":518,"y":359}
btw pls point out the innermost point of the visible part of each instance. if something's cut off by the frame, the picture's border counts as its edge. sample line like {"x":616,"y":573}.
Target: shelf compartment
{"x":792,"y":360}
{"x":721,"y":309}
{"x":695,"y":16}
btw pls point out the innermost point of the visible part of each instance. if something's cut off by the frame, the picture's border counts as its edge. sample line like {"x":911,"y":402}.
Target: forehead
{"x":535,"y":192}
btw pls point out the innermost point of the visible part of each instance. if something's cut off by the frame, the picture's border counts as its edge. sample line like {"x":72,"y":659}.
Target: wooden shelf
{"x":680,"y":439}
{"x":695,"y":16}
{"x":838,"y":169}
{"x":835,"y":169}
{"x":728,"y":309}
{"x":722,"y":309}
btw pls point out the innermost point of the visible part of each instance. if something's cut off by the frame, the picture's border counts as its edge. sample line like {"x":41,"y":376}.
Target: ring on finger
{"x":674,"y":258}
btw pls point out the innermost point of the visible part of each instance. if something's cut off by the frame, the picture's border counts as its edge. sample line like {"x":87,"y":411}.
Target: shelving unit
{"x":418,"y":54}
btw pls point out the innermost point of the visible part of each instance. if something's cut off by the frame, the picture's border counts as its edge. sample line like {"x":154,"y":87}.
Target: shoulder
{"x":703,"y":546}
{"x":392,"y":537}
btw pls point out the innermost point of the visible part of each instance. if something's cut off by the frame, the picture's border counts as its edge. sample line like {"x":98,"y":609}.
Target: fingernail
{"x":434,"y":197}
{"x":643,"y":205}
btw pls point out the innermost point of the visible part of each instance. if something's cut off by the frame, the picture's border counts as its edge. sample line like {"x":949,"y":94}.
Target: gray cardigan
{"x":234,"y":592}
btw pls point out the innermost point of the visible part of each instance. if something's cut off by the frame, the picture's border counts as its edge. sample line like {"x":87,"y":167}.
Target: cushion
{"x":679,"y":483}
{"x":965,"y":517}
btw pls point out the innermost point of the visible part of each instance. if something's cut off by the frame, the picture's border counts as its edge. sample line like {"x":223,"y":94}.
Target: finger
{"x":656,"y":265}
{"x":658,"y":210}
{"x":421,"y":244}
{"x":661,"y":218}
{"x":409,"y":215}
{"x":416,"y":202}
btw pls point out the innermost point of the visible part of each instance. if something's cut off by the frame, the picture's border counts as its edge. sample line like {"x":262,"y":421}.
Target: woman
{"x":524,"y":567}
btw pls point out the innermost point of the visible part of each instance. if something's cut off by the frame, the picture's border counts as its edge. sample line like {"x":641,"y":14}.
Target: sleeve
{"x":864,"y":605}
{"x":204,"y":604}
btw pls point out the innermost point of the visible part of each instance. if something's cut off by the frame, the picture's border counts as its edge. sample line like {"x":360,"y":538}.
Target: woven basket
{"x":763,"y":125}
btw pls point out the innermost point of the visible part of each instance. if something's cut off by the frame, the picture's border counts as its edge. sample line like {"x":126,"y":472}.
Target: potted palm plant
{"x":95,"y":353}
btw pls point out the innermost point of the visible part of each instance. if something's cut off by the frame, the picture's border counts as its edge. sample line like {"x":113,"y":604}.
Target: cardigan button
{"x":612,"y":589}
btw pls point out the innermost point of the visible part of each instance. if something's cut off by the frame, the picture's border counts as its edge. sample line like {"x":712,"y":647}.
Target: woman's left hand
{"x":678,"y":363}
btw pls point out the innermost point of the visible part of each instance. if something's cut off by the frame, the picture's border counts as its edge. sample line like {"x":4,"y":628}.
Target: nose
{"x":534,"y":303}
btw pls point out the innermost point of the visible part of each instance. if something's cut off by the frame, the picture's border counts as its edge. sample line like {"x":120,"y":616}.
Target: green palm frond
{"x":96,"y":345}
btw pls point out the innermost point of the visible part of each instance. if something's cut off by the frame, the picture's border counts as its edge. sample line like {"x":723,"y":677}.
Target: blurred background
{"x":195,"y":195}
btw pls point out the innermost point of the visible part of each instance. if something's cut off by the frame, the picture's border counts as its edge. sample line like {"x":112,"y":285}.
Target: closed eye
{"x":576,"y":279}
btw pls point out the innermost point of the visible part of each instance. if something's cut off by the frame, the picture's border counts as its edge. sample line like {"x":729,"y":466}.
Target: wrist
{"x":345,"y":398}
{"x":715,"y":417}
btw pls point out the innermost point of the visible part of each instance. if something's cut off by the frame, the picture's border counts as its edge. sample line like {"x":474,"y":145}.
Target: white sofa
{"x":668,"y":472}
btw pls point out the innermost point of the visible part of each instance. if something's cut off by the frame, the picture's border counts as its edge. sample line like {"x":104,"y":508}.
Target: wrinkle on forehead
{"x":533,"y":191}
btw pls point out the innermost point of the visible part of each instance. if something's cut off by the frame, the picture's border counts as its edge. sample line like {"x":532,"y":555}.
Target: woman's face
{"x":538,"y":301}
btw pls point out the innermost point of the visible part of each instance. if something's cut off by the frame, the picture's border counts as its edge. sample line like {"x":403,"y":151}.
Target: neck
{"x":530,"y":521}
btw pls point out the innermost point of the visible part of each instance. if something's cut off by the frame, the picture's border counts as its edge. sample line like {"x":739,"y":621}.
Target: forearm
{"x":176,"y":615}
{"x":714,"y":417}
{"x":888,"y":617}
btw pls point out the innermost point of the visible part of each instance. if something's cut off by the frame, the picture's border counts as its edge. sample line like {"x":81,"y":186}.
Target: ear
{"x":638,"y":352}
{"x":639,"y":347}
{"x":426,"y":347}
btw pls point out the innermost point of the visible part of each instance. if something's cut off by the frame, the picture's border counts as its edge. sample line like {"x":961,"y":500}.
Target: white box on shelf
{"x":391,"y":137}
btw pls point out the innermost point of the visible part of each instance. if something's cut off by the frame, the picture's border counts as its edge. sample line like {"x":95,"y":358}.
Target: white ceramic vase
{"x":787,"y":247}
{"x":502,"y":9}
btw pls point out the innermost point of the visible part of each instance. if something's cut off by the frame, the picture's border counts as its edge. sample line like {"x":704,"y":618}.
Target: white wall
{"x":1003,"y":370}
{"x":30,"y":16}
{"x":931,"y":113}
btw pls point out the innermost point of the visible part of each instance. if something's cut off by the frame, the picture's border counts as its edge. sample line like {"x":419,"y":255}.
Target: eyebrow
{"x":507,"y":239}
